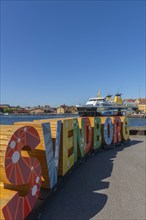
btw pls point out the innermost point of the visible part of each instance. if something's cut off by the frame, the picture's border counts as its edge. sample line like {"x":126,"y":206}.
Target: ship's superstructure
{"x":99,"y":106}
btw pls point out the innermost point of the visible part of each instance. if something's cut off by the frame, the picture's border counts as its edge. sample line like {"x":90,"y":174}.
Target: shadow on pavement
{"x":79,"y":196}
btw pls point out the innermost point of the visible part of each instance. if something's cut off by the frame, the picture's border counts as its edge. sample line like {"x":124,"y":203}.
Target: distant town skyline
{"x":55,"y":106}
{"x":64,"y":52}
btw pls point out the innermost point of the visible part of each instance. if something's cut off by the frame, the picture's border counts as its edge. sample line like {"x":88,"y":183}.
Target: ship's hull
{"x":88,"y":111}
{"x":100,"y":111}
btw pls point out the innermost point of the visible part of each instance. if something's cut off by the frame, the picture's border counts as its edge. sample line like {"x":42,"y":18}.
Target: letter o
{"x":108,"y":131}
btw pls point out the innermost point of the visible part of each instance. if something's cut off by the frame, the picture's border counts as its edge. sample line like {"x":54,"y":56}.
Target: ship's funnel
{"x":109,"y":97}
{"x":118,"y":98}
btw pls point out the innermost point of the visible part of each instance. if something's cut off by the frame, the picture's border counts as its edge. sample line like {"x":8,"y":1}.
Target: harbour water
{"x":10,"y":119}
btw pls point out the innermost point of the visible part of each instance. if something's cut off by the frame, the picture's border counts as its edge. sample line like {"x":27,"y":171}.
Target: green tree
{"x":8,"y":110}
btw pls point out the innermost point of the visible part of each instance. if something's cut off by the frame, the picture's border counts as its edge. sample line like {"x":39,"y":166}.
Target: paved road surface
{"x":109,"y":186}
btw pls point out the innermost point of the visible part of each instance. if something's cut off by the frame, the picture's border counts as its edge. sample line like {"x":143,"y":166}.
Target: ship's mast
{"x":98,"y":94}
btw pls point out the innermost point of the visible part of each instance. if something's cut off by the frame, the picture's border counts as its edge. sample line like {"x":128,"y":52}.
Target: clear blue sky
{"x":63,"y":52}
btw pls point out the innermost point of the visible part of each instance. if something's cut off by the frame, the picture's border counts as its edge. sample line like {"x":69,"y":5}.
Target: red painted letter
{"x":117,"y":129}
{"x":22,"y":170}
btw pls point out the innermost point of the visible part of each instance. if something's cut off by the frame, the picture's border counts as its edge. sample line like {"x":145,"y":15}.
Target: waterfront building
{"x":36,"y":111}
{"x":21,"y":111}
{"x":62,"y":109}
{"x":141,"y":104}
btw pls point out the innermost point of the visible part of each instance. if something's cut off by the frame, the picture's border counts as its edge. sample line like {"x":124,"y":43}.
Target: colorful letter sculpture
{"x":34,"y":155}
{"x":22,"y":170}
{"x":125,"y":129}
{"x":108,"y":131}
{"x":117,"y":130}
{"x":52,"y":156}
{"x":97,"y":133}
{"x":86,"y":127}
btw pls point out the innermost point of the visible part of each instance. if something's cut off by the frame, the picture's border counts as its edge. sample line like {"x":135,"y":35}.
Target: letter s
{"x":22,"y":170}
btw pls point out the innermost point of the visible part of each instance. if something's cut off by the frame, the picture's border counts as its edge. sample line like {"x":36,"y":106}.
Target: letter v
{"x":52,"y":156}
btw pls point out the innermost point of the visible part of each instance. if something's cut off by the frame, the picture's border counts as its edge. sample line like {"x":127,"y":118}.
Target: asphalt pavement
{"x":110,"y":185}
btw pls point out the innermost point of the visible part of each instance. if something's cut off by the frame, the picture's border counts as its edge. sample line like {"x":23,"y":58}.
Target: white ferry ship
{"x":101,"y":106}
